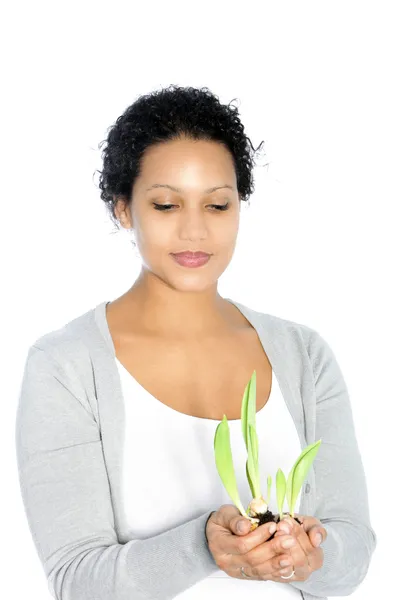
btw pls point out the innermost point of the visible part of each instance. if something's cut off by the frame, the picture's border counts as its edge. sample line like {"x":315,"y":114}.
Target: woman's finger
{"x":252,"y":553}
{"x":314,"y":555}
{"x":299,"y":554}
{"x":262,"y":564}
{"x":313,"y":527}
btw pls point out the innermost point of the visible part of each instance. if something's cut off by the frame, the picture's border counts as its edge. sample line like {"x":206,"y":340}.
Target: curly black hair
{"x":164,"y":115}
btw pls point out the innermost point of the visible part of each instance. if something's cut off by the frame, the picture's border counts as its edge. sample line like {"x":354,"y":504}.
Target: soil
{"x":269,"y":516}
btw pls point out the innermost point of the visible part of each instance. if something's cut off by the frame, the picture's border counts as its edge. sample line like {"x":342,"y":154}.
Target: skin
{"x":259,"y":556}
{"x":305,"y":557}
{"x":164,"y":287}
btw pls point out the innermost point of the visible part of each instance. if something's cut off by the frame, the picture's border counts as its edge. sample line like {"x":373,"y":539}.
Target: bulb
{"x":257,"y":506}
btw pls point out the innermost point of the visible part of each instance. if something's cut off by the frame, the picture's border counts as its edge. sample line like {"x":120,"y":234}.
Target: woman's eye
{"x":168,"y":206}
{"x":220,"y":206}
{"x":162,"y":206}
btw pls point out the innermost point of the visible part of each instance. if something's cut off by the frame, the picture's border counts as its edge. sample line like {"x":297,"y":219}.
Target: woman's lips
{"x":190,"y":260}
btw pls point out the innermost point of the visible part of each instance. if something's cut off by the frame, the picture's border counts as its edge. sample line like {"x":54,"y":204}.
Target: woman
{"x":118,"y":408}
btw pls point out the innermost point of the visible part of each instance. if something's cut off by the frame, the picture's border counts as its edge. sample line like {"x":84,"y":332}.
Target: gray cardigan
{"x":69,"y":428}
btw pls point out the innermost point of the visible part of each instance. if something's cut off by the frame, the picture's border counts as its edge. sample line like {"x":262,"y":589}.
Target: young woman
{"x":118,"y":409}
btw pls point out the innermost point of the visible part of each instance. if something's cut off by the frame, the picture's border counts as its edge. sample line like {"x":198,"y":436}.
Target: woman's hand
{"x":307,"y":556}
{"x":311,"y":525}
{"x":259,"y":557}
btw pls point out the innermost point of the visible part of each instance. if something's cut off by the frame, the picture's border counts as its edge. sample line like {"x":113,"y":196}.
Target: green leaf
{"x":252,"y":490}
{"x":248,"y":418}
{"x":248,"y":413}
{"x":269,"y":485}
{"x":253,"y":460}
{"x":243,"y":416}
{"x":299,"y":472}
{"x":224,"y":462}
{"x":280,"y":490}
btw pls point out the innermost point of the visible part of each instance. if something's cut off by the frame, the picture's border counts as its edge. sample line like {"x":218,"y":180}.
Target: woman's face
{"x":192,"y":223}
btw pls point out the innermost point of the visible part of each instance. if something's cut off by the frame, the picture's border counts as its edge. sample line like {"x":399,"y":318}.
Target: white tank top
{"x":170,"y":476}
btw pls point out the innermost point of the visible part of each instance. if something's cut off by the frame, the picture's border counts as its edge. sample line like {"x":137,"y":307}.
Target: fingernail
{"x":242,"y":527}
{"x":289,"y":521}
{"x":272,"y":528}
{"x":284,"y":527}
{"x":289,"y":543}
{"x":284,"y":563}
{"x":318,"y":539}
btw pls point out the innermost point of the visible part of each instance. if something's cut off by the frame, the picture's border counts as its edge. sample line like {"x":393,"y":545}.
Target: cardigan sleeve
{"x":341,"y":490}
{"x":67,"y":501}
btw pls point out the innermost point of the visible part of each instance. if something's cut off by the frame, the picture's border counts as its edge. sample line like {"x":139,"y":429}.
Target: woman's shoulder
{"x":67,"y":340}
{"x":279,"y":326}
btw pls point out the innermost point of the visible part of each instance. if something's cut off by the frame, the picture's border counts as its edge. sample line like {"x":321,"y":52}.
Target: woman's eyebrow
{"x":175,"y":189}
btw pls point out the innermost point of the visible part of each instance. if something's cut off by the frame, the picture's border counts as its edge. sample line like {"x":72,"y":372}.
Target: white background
{"x":319,"y":244}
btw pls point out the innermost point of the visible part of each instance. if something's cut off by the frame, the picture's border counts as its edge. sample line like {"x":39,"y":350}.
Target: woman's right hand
{"x":231,"y":551}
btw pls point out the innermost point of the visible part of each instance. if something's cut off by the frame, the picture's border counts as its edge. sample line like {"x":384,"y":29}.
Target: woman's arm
{"x":342,"y":498}
{"x":66,"y":496}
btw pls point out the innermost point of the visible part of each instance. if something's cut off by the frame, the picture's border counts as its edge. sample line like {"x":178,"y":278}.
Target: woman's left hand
{"x":309,"y":557}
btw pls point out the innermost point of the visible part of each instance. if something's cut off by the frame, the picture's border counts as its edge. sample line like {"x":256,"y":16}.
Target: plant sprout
{"x":280,"y":483}
{"x":289,"y":488}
